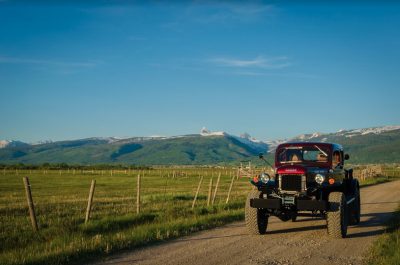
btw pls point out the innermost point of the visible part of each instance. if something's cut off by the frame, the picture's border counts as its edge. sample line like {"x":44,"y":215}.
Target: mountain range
{"x":367,"y":145}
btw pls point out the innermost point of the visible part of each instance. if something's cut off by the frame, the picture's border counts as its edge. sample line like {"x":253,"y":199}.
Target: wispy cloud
{"x":223,"y":13}
{"x":257,"y":67}
{"x":18,"y":60}
{"x":258,"y":62}
{"x":260,"y":66}
{"x":289,"y":74}
{"x":251,"y":8}
{"x":109,"y":9}
{"x":228,"y":12}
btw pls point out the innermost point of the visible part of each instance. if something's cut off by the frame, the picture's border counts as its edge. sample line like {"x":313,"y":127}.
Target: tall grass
{"x":386,"y":250}
{"x":60,"y":202}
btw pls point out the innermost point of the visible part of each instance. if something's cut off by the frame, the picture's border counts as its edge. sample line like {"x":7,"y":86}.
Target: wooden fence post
{"x":216,"y":189}
{"x":138,"y":195}
{"x":30,"y":204}
{"x":209,"y":192}
{"x":230,"y":189}
{"x":197,"y":192}
{"x":90,"y":200}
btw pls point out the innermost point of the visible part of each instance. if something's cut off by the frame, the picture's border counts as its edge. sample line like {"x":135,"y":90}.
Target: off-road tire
{"x":294,"y":217}
{"x":355,"y":214}
{"x":337,"y":215}
{"x":256,"y":219}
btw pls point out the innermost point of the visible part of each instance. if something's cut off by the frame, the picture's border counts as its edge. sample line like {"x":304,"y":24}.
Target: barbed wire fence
{"x":134,"y":192}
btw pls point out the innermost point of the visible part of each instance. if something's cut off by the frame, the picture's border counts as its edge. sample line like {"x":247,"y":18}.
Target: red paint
{"x":291,"y":170}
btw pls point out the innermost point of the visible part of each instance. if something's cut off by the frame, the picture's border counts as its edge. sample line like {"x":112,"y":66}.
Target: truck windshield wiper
{"x":325,"y":154}
{"x":282,"y":152}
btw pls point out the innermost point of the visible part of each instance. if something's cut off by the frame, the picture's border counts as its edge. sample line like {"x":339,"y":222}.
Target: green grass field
{"x":60,"y":199}
{"x":386,"y":251}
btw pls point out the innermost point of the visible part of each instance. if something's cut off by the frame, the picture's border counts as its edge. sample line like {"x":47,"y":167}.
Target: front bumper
{"x":300,"y":205}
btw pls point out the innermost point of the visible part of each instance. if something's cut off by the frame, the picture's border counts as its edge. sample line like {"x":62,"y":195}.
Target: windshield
{"x":299,"y":154}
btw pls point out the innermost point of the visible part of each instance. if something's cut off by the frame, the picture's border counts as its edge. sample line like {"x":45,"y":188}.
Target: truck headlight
{"x":319,"y":178}
{"x":264,"y":177}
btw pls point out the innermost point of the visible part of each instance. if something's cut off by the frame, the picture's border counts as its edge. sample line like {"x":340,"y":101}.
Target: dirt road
{"x":302,"y":242}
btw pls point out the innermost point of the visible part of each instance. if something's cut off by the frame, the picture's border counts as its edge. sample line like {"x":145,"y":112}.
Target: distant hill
{"x":11,"y":143}
{"x":370,"y":145}
{"x":209,"y":148}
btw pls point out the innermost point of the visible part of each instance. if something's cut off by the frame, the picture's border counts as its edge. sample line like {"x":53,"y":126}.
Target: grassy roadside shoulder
{"x":98,"y":239}
{"x":377,"y":180}
{"x":386,"y":250}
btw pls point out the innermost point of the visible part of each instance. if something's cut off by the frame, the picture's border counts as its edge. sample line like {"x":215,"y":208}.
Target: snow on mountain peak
{"x":252,"y":142}
{"x":11,"y":143}
{"x":302,"y":136}
{"x":205,"y":132}
{"x":245,"y":135}
{"x":365,"y":131}
{"x":4,"y":143}
{"x":244,"y":138}
{"x":315,"y":135}
{"x":42,"y":142}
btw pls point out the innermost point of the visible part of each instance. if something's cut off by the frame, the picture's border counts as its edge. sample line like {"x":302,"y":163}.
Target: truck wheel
{"x":294,"y":217}
{"x":337,"y":215}
{"x":356,"y":208}
{"x":256,"y":219}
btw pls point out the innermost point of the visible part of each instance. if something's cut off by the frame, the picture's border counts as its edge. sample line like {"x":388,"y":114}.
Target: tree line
{"x":58,"y":166}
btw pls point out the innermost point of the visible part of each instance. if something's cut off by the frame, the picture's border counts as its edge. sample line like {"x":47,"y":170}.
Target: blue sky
{"x":273,"y":70}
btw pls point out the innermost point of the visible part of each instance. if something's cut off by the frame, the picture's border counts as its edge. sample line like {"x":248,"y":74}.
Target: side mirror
{"x":346,"y":157}
{"x":260,"y":156}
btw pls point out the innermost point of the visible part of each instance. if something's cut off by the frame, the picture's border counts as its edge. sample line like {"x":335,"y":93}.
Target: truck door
{"x":337,"y":165}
